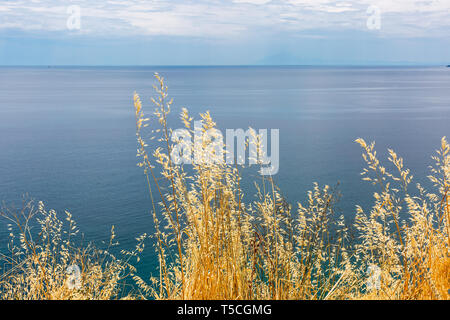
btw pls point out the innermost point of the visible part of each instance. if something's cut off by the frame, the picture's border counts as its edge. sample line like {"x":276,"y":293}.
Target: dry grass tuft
{"x":211,"y":245}
{"x":47,"y":260}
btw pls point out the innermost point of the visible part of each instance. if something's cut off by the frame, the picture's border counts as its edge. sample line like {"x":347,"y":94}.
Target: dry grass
{"x":211,"y":245}
{"x":47,"y":260}
{"x":413,"y":255}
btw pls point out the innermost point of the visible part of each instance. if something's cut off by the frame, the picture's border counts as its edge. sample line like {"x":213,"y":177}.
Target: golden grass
{"x":211,"y":244}
{"x":52,"y":263}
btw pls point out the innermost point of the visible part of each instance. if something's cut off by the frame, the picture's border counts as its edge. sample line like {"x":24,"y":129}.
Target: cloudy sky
{"x":188,"y":32}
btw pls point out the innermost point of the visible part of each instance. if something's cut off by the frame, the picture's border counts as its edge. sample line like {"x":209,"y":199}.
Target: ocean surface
{"x":67,"y":135}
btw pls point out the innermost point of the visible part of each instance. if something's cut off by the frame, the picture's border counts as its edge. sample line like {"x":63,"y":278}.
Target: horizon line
{"x":230,"y":65}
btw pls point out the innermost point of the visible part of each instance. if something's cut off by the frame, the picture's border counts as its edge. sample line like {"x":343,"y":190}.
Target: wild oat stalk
{"x":413,"y":254}
{"x":45,"y":255}
{"x":211,"y":245}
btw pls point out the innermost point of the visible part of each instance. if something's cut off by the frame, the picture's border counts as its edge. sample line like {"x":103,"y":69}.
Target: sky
{"x":224,"y":32}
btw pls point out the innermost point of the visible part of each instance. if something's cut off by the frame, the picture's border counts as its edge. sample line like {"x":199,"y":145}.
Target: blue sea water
{"x":67,"y":134}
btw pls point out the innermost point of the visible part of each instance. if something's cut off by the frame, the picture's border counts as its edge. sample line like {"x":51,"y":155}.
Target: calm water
{"x":67,"y":135}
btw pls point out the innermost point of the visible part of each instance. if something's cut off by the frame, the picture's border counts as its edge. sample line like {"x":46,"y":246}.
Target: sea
{"x":67,"y":134}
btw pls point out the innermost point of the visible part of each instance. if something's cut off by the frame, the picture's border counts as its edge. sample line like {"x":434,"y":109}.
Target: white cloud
{"x":258,"y":2}
{"x":226,"y":18}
